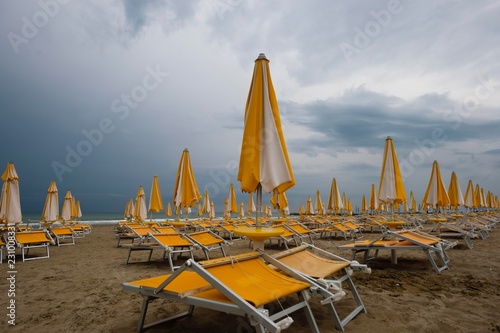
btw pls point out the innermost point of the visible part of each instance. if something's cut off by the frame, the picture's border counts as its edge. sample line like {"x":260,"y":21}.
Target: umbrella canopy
{"x":232,"y":204}
{"x":470,"y":198}
{"x":264,"y":157}
{"x":68,"y":210}
{"x":264,"y":162}
{"x":319,"y":203}
{"x":129,"y":209}
{"x":391,"y":189}
{"x":309,"y":206}
{"x":186,"y":193}
{"x":78,"y":210}
{"x":155,"y":201}
{"x":479,"y":197}
{"x":436,"y":194}
{"x":206,"y":203}
{"x":280,"y":202}
{"x":334,"y":200}
{"x":168,"y":210}
{"x":51,"y":209}
{"x":10,"y":202}
{"x":364,"y":206}
{"x":454,"y":192}
{"x":242,"y":210}
{"x":212,"y":210}
{"x":413,"y":202}
{"x":251,"y":204}
{"x":373,"y":199}
{"x":140,"y":212}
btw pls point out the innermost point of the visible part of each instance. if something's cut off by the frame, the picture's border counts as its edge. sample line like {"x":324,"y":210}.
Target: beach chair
{"x":135,"y":233}
{"x":409,"y":240}
{"x":28,"y":240}
{"x":207,"y":241}
{"x":300,"y":230}
{"x":287,"y":236}
{"x":63,"y":235}
{"x":327,"y":270}
{"x":172,"y":246}
{"x":452,"y":230}
{"x":240,"y":285}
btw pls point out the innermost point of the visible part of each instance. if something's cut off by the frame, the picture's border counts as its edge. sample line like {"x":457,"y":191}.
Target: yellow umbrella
{"x":168,"y":210}
{"x":50,"y":212}
{"x":242,"y":210}
{"x":232,"y":204}
{"x":373,"y":200}
{"x":206,"y":203}
{"x":309,"y":206}
{"x":212,"y":210}
{"x":10,"y":202}
{"x":302,"y":210}
{"x":454,"y":192}
{"x":78,"y":210}
{"x":483,"y":201}
{"x":413,"y":202}
{"x":364,"y":206}
{"x":477,"y":192}
{"x":391,"y":188}
{"x":129,"y":209}
{"x":280,"y":202}
{"x":436,"y":194}
{"x":334,"y":201}
{"x":264,"y":162}
{"x":200,"y":210}
{"x":186,"y":193}
{"x":140,"y":212}
{"x":155,"y":200}
{"x":470,"y":198}
{"x":251,"y":204}
{"x":66,"y":211}
{"x":344,"y":201}
{"x":319,"y":203}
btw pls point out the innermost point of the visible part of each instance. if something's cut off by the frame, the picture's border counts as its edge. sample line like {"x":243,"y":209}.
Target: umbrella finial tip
{"x":262,"y":56}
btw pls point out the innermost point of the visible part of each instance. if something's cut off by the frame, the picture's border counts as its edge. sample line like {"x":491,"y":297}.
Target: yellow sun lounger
{"x":323,"y":269}
{"x":207,"y":241}
{"x":172,"y":245}
{"x":240,"y":285}
{"x":27,"y":240}
{"x":63,"y":235}
{"x":405,"y":240}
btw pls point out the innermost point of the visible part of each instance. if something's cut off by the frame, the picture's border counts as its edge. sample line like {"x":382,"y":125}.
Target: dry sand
{"x":79,"y":290}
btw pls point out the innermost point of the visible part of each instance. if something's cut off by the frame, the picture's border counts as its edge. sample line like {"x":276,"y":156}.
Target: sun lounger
{"x":63,"y":235}
{"x":172,"y":245}
{"x":404,"y":240}
{"x":240,"y":285}
{"x":452,"y":230}
{"x":207,"y":241}
{"x":27,"y":240}
{"x":326,"y":270}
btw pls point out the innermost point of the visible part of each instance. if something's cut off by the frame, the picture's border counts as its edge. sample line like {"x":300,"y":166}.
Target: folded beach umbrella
{"x":242,"y":210}
{"x":264,"y":162}
{"x":50,"y":212}
{"x":413,"y":202}
{"x":319,"y":203}
{"x":129,"y":209}
{"x":212,"y":210}
{"x":334,"y":200}
{"x":186,"y":193}
{"x":251,"y":204}
{"x":373,"y":199}
{"x":479,"y":197}
{"x":206,"y":203}
{"x":280,"y":202}
{"x":470,"y":197}
{"x":454,"y":192}
{"x":364,"y":206}
{"x":168,"y":210}
{"x":10,"y":202}
{"x":436,"y":194}
{"x":140,"y":212}
{"x":232,"y":206}
{"x":391,"y":189}
{"x":309,"y":206}
{"x":155,"y":200}
{"x":78,"y":210}
{"x":68,"y":210}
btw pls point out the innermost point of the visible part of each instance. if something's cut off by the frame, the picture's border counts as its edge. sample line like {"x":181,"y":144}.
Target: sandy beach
{"x":78,"y":289}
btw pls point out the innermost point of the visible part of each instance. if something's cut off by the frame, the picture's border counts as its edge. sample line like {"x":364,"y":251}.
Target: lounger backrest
{"x":32,"y":237}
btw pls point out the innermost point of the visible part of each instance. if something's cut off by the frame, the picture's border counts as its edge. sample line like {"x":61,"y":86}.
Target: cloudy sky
{"x":100,"y":96}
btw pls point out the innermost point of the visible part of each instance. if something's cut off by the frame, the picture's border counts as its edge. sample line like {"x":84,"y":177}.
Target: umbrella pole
{"x":259,"y":205}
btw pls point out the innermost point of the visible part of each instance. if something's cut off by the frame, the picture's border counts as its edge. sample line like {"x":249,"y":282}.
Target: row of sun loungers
{"x":39,"y":240}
